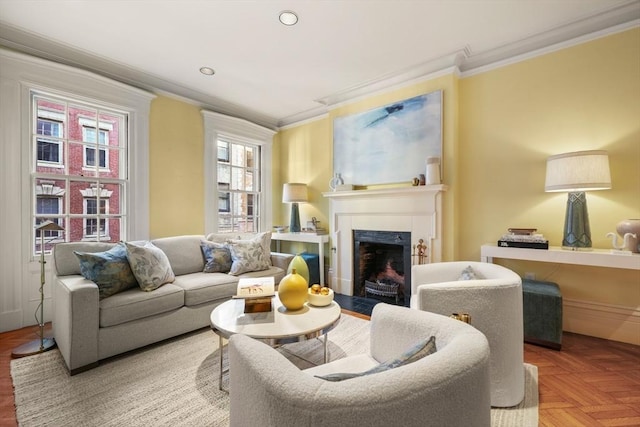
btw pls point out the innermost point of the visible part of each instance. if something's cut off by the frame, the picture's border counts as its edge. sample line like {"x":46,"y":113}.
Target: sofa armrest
{"x":76,"y":321}
{"x":282,"y":260}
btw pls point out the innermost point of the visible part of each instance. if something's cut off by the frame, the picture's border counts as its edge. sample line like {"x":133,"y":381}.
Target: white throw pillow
{"x":150,"y":265}
{"x":246,"y":256}
{"x":263,"y":238}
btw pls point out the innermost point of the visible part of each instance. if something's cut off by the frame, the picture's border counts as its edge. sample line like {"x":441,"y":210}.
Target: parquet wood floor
{"x":591,"y":382}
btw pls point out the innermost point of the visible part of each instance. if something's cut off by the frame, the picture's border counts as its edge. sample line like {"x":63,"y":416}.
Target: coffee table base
{"x":275,"y":343}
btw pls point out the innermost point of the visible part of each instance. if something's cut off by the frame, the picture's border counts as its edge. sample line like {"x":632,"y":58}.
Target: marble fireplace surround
{"x":417,"y":210}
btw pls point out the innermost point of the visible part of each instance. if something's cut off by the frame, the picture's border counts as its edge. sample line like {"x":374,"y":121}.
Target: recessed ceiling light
{"x":207,"y":71}
{"x":288,"y":17}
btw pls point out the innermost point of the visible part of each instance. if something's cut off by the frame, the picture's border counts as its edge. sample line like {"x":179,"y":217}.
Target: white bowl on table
{"x":319,"y":300}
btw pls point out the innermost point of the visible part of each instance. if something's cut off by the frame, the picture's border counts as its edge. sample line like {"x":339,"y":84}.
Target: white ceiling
{"x":276,"y":75}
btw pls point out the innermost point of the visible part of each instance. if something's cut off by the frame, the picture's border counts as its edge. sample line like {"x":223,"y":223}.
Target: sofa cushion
{"x":150,"y":265}
{"x":134,"y":304}
{"x":247,"y":255}
{"x":109,"y":270}
{"x":276,"y":272}
{"x":184,"y":253}
{"x":217,"y":257}
{"x":263,"y":238}
{"x":200,"y":288}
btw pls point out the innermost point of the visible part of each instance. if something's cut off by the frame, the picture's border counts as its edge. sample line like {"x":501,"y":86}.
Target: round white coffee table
{"x":275,"y":327}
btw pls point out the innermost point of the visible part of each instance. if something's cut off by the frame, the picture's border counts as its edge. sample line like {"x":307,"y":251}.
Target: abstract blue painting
{"x":389,"y":144}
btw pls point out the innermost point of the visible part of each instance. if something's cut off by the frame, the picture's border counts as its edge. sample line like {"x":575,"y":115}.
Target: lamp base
{"x":577,"y":233}
{"x":33,"y":347}
{"x":294,"y":225}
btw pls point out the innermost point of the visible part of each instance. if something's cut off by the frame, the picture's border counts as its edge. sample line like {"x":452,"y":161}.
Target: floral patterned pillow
{"x":109,"y":270}
{"x":150,"y":265}
{"x":217,"y":257}
{"x":263,"y":238}
{"x":247,"y":255}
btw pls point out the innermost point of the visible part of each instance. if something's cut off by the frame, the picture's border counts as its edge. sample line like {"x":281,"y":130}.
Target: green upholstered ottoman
{"x":313,"y":262}
{"x":542,"y":309}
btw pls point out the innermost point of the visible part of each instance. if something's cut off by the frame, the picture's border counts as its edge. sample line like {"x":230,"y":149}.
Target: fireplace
{"x":414,"y":213}
{"x":382,"y":265}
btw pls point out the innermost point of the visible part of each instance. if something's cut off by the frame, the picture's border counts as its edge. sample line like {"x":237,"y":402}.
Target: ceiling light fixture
{"x":208,"y":71}
{"x":288,"y":18}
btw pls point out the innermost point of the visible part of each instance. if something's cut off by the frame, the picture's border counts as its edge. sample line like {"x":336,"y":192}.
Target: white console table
{"x":318,"y":239}
{"x":595,"y":257}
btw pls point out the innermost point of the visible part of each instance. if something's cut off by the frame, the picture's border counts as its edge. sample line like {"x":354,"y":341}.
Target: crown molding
{"x":614,"y":20}
{"x":462,"y":62}
{"x":26,"y":42}
{"x":395,"y":79}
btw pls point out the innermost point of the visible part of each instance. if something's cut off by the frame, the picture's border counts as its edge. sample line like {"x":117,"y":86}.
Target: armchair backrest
{"x":417,"y":394}
{"x":443,"y":272}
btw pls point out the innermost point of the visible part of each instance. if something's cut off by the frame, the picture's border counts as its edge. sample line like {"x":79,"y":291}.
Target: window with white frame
{"x":237,"y":175}
{"x":84,"y":191}
{"x":49,"y":150}
{"x":95,"y":224}
{"x":96,"y":141}
{"x":238,"y":185}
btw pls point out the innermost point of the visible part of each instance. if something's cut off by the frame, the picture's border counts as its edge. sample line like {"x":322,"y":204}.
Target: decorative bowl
{"x":319,"y":300}
{"x":280,"y":228}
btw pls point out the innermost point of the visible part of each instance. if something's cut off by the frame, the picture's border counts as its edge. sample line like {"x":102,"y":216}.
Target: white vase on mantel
{"x":630,"y":226}
{"x":433,"y":171}
{"x":336,"y":181}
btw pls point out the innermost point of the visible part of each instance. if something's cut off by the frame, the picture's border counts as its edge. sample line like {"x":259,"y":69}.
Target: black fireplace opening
{"x":382,"y":265}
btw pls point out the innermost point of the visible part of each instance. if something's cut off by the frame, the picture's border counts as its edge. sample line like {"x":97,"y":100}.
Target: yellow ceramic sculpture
{"x":292,"y":291}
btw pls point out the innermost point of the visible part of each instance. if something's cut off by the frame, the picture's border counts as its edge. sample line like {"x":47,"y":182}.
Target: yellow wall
{"x":511,"y":119}
{"x":176,"y":168}
{"x":499,"y":128}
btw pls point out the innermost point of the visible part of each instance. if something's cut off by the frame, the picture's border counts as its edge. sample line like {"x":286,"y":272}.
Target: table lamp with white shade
{"x":576,"y":173}
{"x":42,"y":344}
{"x":294,"y":193}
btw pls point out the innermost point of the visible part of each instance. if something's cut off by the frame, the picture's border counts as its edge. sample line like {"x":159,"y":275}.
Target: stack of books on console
{"x":523,"y":238}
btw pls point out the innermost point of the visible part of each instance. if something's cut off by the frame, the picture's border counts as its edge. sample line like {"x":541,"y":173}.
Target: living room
{"x":500,"y":124}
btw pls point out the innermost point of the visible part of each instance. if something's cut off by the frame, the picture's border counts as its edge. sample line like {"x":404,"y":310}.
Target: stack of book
{"x":523,"y":238}
{"x":257,"y":293}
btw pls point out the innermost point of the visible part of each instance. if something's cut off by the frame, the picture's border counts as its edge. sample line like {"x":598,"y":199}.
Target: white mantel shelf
{"x":595,"y":257}
{"x":385,"y":191}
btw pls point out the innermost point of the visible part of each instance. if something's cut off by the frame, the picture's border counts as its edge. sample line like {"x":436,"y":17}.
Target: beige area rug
{"x":175,"y":383}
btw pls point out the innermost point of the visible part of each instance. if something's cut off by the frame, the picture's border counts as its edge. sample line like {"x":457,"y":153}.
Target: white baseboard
{"x":10,"y":320}
{"x":612,"y":322}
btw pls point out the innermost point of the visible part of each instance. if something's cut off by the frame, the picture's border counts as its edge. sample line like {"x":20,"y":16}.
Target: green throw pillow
{"x":109,"y":270}
{"x":421,"y":349}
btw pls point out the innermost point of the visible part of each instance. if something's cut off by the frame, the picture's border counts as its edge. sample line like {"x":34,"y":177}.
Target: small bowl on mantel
{"x":319,"y":300}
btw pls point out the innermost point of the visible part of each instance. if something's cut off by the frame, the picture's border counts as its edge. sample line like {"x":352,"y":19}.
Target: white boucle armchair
{"x":494,"y":302}
{"x":447,"y":388}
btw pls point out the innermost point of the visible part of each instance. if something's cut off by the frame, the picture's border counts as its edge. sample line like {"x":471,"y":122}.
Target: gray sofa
{"x":88,"y":329}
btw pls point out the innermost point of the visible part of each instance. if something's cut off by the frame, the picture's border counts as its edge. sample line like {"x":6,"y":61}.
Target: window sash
{"x":239,"y":188}
{"x":84,"y":218}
